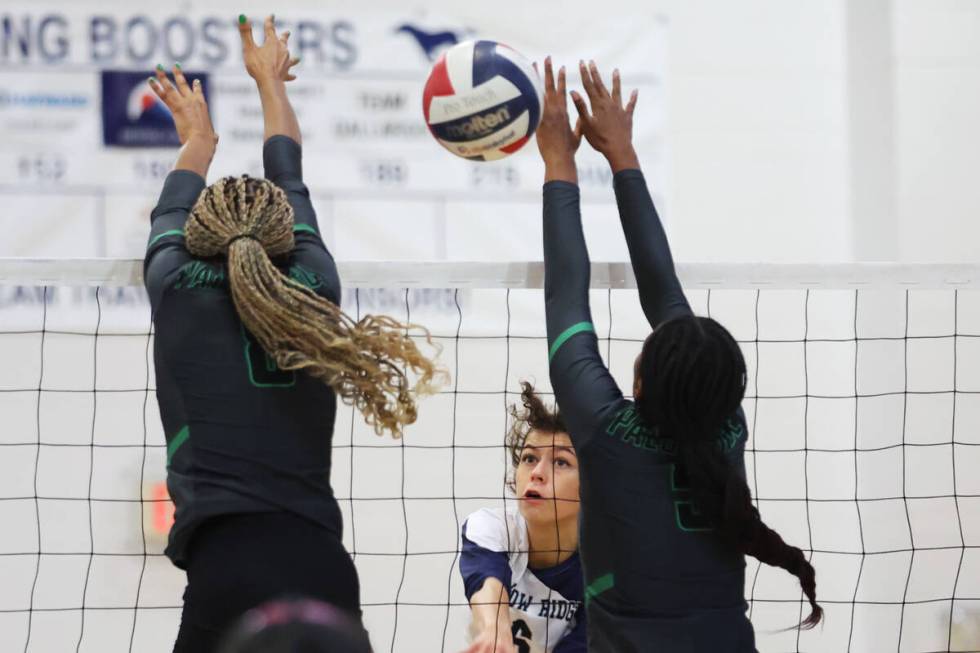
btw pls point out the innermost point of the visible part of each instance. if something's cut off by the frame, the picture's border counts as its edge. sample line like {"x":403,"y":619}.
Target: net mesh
{"x":863,"y":408}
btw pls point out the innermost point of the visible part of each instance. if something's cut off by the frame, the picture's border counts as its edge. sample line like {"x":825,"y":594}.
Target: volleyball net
{"x":863,"y":405}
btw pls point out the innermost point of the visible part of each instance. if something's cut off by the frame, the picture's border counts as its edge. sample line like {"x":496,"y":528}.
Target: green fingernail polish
{"x":177,"y":65}
{"x":151,"y":79}
{"x":160,"y":67}
{"x":242,"y":19}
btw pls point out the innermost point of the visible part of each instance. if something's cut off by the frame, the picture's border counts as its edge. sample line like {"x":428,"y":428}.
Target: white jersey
{"x":544,"y":603}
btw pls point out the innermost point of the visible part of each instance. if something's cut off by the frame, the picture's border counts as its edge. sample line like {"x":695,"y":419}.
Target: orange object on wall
{"x":163,"y":508}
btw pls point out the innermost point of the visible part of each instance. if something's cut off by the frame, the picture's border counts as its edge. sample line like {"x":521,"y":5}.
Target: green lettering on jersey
{"x":731,"y":433}
{"x":687,"y":515}
{"x":205,"y":274}
{"x":199,"y":274}
{"x":630,"y":428}
{"x":305,"y":277}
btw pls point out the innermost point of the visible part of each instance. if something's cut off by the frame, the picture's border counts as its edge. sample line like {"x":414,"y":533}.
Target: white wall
{"x":937,"y":64}
{"x":763,"y":160}
{"x":757,"y":129}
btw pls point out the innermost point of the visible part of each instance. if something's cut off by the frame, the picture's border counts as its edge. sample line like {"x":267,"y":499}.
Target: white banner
{"x":72,"y":76}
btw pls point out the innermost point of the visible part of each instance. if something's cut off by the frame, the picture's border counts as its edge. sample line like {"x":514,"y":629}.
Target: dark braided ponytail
{"x":372,"y":363}
{"x":692,"y":381}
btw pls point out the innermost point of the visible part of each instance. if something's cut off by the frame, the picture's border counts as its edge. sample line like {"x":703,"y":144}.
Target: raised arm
{"x":609,"y":129}
{"x":165,"y":252}
{"x":583,"y":386}
{"x":270,"y":65}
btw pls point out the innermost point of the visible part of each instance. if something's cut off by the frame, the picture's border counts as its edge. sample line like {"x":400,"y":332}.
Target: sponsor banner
{"x":54,"y":112}
{"x":133,"y":115}
{"x":78,"y":120}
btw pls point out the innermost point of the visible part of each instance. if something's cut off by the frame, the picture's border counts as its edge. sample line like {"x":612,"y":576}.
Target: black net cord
{"x":452,"y":466}
{"x":952,"y":448}
{"x":91,"y":463}
{"x":37,"y":460}
{"x":147,"y":353}
{"x":401,"y":447}
{"x":905,"y":502}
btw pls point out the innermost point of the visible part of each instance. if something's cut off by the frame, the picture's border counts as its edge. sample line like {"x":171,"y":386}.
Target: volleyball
{"x":482,"y":100}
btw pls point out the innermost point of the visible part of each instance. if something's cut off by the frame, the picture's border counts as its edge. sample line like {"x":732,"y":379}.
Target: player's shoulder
{"x":496,"y":529}
{"x":495,"y":524}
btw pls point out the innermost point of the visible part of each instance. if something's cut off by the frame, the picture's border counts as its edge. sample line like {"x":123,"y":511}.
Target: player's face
{"x":547,"y":478}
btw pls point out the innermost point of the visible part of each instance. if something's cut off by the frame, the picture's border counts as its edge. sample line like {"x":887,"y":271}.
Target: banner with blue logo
{"x":132,"y":115}
{"x":87,"y":144}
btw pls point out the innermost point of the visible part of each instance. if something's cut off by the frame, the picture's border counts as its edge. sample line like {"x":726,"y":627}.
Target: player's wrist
{"x":270,"y":84}
{"x":202,"y":144}
{"x":559,"y":157}
{"x":560,"y":169}
{"x":497,"y":631}
{"x":623,"y":158}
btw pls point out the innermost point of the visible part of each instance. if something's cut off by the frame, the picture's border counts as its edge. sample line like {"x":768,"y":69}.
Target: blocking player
{"x":251,"y":352}
{"x":667,"y":516}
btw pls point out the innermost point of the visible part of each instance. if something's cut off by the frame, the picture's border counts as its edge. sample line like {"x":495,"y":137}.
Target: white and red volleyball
{"x":482,"y":100}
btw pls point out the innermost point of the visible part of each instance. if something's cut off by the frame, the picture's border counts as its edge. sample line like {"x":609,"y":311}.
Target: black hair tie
{"x":238,"y":237}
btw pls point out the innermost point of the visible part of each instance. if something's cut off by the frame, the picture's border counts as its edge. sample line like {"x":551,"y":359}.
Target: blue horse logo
{"x":432,"y":43}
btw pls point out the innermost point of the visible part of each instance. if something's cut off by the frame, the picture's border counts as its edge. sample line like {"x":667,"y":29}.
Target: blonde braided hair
{"x":365,"y":362}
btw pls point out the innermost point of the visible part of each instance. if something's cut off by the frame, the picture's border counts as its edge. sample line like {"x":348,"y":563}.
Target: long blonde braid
{"x":364,"y":361}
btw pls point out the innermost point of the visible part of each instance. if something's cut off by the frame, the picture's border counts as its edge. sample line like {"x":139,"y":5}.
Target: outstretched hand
{"x":609,"y":126}
{"x":557,"y":141}
{"x":190,"y":111}
{"x":270,"y":61}
{"x":187,"y":104}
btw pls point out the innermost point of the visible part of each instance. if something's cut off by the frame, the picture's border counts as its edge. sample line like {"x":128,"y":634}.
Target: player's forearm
{"x":277,"y":112}
{"x":566,"y":260}
{"x":491,"y":609}
{"x":196,"y":155}
{"x":660,"y":291}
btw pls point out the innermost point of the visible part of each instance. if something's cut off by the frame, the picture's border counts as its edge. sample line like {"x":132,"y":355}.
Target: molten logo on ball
{"x":482,"y":100}
{"x":480,"y":125}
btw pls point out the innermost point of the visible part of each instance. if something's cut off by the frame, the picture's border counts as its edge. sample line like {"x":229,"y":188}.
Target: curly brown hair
{"x":366,"y":362}
{"x":535,"y":416}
